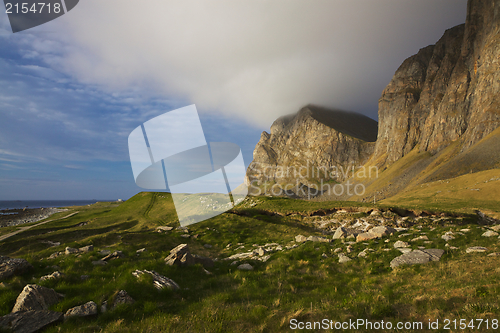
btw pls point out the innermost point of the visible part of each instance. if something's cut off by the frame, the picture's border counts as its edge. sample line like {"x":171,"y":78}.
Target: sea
{"x":17,"y":204}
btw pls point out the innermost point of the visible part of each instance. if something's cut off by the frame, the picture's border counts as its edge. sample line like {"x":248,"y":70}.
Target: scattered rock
{"x":55,"y":255}
{"x":86,"y":249}
{"x":300,"y":238}
{"x":176,"y":255}
{"x":185,"y":236}
{"x":261,"y":251}
{"x":122,"y":297}
{"x":208,"y":246}
{"x":417,"y":257}
{"x":87,"y":309}
{"x":337,"y":250}
{"x":464,"y":230}
{"x":70,"y":250}
{"x":400,"y":244}
{"x":35,"y":297}
{"x":341,"y":232}
{"x":114,"y":255}
{"x":12,"y":266}
{"x":476,"y":249}
{"x":343,"y":258}
{"x":29,"y":321}
{"x":54,"y":275}
{"x":323,"y":255}
{"x":407,"y":250}
{"x":141,"y":250}
{"x":495,"y":227}
{"x":159,"y":281}
{"x":349,"y":249}
{"x":245,"y":267}
{"x":104,"y":252}
{"x":494,"y":254}
{"x":490,"y":233}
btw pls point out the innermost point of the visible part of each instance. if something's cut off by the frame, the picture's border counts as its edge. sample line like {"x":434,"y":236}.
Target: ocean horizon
{"x":17,"y":204}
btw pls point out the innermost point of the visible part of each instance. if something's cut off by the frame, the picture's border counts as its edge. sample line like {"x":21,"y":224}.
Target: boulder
{"x":86,"y":249}
{"x":417,"y":257}
{"x":87,"y":309}
{"x":35,"y":297}
{"x":177,"y":254}
{"x":341,"y":232}
{"x":300,"y":238}
{"x":54,"y":275}
{"x":29,"y":321}
{"x":12,"y":266}
{"x":476,"y":249}
{"x":163,"y":229}
{"x":159,"y":281}
{"x":343,"y":258}
{"x":401,"y":244}
{"x":376,"y":232}
{"x":70,"y":250}
{"x":122,"y":297}
{"x":490,"y":233}
{"x":114,"y":255}
{"x":245,"y":267}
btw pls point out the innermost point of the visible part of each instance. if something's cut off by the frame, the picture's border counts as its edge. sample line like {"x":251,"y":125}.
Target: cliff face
{"x":446,"y":92}
{"x":314,"y":139}
{"x":437,"y":120}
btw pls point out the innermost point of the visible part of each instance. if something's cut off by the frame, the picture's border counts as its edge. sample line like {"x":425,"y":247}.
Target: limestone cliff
{"x":446,"y":92}
{"x":313,"y":144}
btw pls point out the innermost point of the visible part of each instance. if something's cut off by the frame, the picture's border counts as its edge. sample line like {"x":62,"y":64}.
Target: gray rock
{"x":35,"y":297}
{"x":417,"y":257}
{"x":114,"y":255}
{"x":343,"y":258}
{"x":179,"y":255}
{"x":424,"y":237}
{"x":245,"y":267}
{"x":159,"y":281}
{"x":12,"y":266}
{"x":141,"y":250}
{"x":406,"y":250}
{"x":323,"y":255}
{"x":86,"y":249}
{"x":70,"y":250}
{"x":337,"y":250}
{"x":400,"y":244}
{"x":261,"y":251}
{"x":99,"y":263}
{"x":163,"y":229}
{"x":208,"y":246}
{"x":318,"y":239}
{"x":87,"y":309}
{"x":54,"y":275}
{"x":122,"y":297}
{"x":376,"y":232}
{"x":490,"y":233}
{"x":300,"y":238}
{"x":104,"y":252}
{"x":476,"y":249}
{"x":494,"y":254}
{"x":29,"y":321}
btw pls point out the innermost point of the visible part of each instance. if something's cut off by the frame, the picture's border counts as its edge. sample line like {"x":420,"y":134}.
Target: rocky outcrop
{"x":446,"y":92}
{"x":417,"y":257}
{"x":312,"y":145}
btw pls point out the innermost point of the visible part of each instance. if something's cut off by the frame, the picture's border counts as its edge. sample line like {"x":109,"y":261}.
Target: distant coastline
{"x":19,"y":204}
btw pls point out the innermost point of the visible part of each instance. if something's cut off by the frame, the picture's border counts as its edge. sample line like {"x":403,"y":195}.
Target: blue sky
{"x":73,"y":89}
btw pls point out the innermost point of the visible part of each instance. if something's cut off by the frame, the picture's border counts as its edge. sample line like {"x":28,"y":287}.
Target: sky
{"x":73,"y":89}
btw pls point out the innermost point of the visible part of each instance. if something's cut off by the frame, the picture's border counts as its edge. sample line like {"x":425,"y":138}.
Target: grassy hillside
{"x":306,"y":283}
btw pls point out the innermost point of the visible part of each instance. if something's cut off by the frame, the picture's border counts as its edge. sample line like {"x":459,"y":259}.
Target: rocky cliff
{"x":312,"y":145}
{"x":437,"y":118}
{"x":446,"y":92}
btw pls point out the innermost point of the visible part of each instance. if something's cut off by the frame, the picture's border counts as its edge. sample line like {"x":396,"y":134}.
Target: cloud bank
{"x":255,"y":59}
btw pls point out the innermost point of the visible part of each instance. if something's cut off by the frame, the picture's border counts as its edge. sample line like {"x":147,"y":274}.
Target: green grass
{"x":297,"y":283}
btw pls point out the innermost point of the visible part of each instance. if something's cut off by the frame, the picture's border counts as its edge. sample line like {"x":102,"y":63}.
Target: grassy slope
{"x":420,"y":179}
{"x":299,"y":283}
